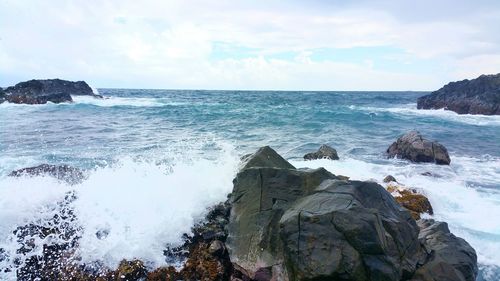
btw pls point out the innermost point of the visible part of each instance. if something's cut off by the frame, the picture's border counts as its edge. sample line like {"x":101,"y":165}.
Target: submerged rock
{"x":389,"y":178}
{"x":50,"y":90}
{"x":412,"y":146}
{"x":476,"y":96}
{"x":324,"y":152}
{"x":65,"y":173}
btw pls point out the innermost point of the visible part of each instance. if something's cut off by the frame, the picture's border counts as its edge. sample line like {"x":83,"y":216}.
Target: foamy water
{"x":141,"y":207}
{"x":411,"y":110}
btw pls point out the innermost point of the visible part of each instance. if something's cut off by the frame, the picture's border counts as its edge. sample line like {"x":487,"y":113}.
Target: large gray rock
{"x":324,"y":152}
{"x":287,"y":224}
{"x":50,"y":90}
{"x":412,"y":146}
{"x":349,"y":231}
{"x":65,"y":173}
{"x":265,"y":157}
{"x":260,"y":197}
{"x":476,"y":96}
{"x":449,"y":257}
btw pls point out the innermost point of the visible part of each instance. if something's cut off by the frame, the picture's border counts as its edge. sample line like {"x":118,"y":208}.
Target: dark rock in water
{"x":449,"y":257}
{"x":50,"y":90}
{"x":476,"y":96}
{"x":2,"y":95}
{"x":265,"y":157}
{"x":65,"y":173}
{"x":389,"y":178}
{"x":324,"y":152}
{"x":412,"y":146}
{"x":288,"y":224}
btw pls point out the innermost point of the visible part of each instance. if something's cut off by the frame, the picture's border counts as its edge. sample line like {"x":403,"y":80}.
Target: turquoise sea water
{"x":158,"y":158}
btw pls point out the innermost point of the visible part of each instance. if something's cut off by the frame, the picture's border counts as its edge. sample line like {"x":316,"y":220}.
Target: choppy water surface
{"x":158,"y":158}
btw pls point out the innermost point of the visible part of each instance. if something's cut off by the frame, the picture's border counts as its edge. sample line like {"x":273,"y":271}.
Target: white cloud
{"x":169,"y":44}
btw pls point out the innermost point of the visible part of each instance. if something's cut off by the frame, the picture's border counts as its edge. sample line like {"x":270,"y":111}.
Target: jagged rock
{"x":412,"y":146}
{"x":65,"y":173}
{"x":476,"y":96}
{"x":449,"y":257}
{"x":389,"y":178}
{"x":259,"y":198}
{"x":416,"y":203}
{"x":324,"y":152}
{"x":43,"y":91}
{"x":349,"y":231}
{"x":287,"y":224}
{"x":265,"y":157}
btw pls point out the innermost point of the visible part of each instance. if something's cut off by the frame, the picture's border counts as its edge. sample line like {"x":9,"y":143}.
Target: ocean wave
{"x":141,"y":206}
{"x":411,"y":109}
{"x":466,"y":207}
{"x":110,"y":101}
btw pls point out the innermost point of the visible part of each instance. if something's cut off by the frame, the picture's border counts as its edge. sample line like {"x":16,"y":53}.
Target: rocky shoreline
{"x":476,"y":96}
{"x":280,"y":223}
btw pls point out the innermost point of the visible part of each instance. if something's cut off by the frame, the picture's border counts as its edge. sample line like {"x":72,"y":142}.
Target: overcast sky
{"x":282,"y":45}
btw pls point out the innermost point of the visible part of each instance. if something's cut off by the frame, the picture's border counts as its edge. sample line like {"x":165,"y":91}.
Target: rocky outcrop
{"x":476,"y":96}
{"x":50,"y":90}
{"x":324,"y":152}
{"x":65,"y":173}
{"x":411,"y":200}
{"x":412,"y":146}
{"x":289,"y":224}
{"x":448,"y":257}
{"x":2,"y":95}
{"x":389,"y":178}
{"x":264,"y":157}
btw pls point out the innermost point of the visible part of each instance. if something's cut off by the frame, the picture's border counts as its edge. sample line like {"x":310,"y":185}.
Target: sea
{"x":157,"y":159}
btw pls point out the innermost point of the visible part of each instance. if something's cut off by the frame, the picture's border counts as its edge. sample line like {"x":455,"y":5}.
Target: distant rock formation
{"x":324,"y":152}
{"x":2,"y":95}
{"x":476,"y":96}
{"x":43,"y":91}
{"x":412,"y":146}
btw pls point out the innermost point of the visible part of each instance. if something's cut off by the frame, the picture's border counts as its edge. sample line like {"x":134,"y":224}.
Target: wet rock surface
{"x":449,"y":257}
{"x":476,"y":96}
{"x":65,"y":173}
{"x":311,"y":225}
{"x":414,"y":147}
{"x":324,"y":152}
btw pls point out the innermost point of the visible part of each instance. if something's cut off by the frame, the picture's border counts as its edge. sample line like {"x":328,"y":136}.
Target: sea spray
{"x":131,"y":209}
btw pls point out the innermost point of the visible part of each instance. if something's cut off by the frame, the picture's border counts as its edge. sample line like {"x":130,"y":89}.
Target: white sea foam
{"x":110,"y":101}
{"x":142,"y":206}
{"x":411,"y":109}
{"x":471,"y":212}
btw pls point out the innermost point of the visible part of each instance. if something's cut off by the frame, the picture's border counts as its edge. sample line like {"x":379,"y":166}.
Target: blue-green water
{"x":157,"y":158}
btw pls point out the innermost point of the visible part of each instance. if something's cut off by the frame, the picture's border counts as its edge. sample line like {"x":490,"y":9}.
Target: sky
{"x":252,"y":45}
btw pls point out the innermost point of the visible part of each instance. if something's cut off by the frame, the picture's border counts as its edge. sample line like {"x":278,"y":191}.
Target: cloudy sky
{"x":282,"y":45}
